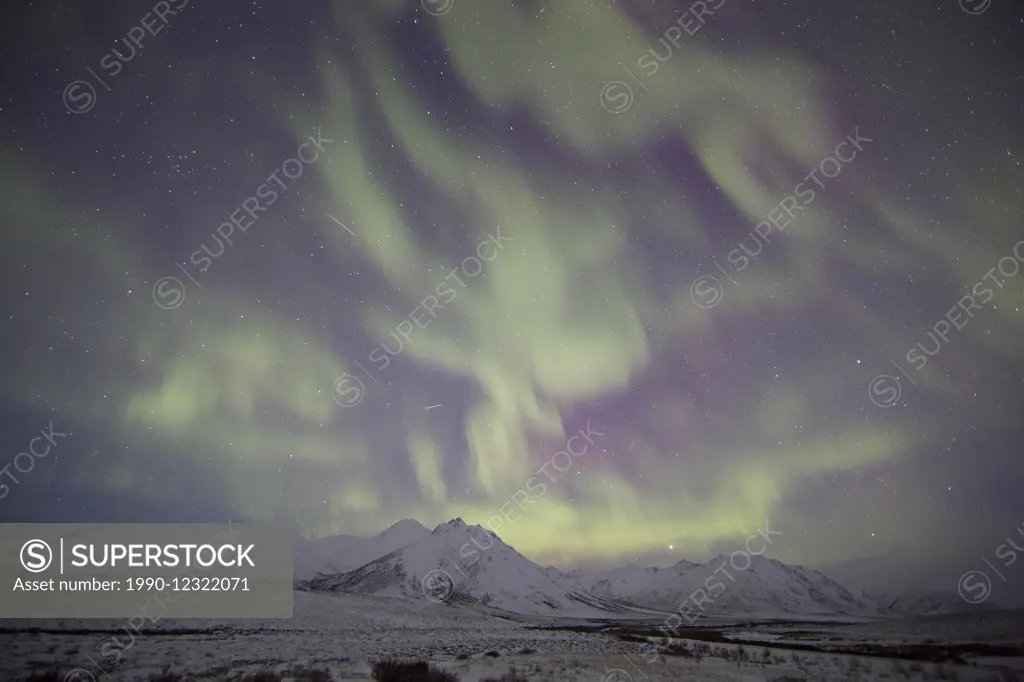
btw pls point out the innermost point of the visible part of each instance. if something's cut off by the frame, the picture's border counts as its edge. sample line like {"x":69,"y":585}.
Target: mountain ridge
{"x":459,"y":564}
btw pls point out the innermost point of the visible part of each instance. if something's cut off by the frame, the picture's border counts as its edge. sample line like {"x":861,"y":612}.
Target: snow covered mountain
{"x":765,"y":587}
{"x":922,"y":603}
{"x":340,"y":553}
{"x":460,"y":564}
{"x":621,"y":583}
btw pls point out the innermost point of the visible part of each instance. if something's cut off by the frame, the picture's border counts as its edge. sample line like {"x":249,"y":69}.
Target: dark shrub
{"x":311,"y":675}
{"x":166,"y":676}
{"x":49,"y":675}
{"x":393,"y":671}
{"x":261,"y":676}
{"x":510,"y":676}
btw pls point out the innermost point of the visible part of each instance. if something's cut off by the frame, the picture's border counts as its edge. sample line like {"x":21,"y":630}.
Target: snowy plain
{"x":346,"y":633}
{"x":459,"y":598}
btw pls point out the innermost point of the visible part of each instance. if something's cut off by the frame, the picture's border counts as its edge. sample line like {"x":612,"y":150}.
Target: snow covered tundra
{"x":341,"y":636}
{"x":458,"y":605}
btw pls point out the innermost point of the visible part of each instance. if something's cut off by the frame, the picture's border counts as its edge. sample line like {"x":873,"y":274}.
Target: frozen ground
{"x":346,"y":633}
{"x":994,"y":628}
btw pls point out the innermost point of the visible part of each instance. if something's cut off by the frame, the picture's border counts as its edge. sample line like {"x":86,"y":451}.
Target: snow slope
{"x":456,"y":563}
{"x":623,"y":583}
{"x":460,"y":564}
{"x":341,"y":553}
{"x":765,"y":587}
{"x":922,"y":603}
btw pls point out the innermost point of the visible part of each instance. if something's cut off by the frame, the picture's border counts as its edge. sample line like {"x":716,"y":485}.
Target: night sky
{"x":454,"y":233}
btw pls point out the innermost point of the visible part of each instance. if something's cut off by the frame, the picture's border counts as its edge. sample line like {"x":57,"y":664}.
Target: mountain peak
{"x":342,"y":553}
{"x":477,"y":568}
{"x":742,"y":563}
{"x":455,"y":524}
{"x":406,"y":526}
{"x":406,"y":560}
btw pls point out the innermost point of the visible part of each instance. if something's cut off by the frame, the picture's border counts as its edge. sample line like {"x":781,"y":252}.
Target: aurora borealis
{"x":431,"y":128}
